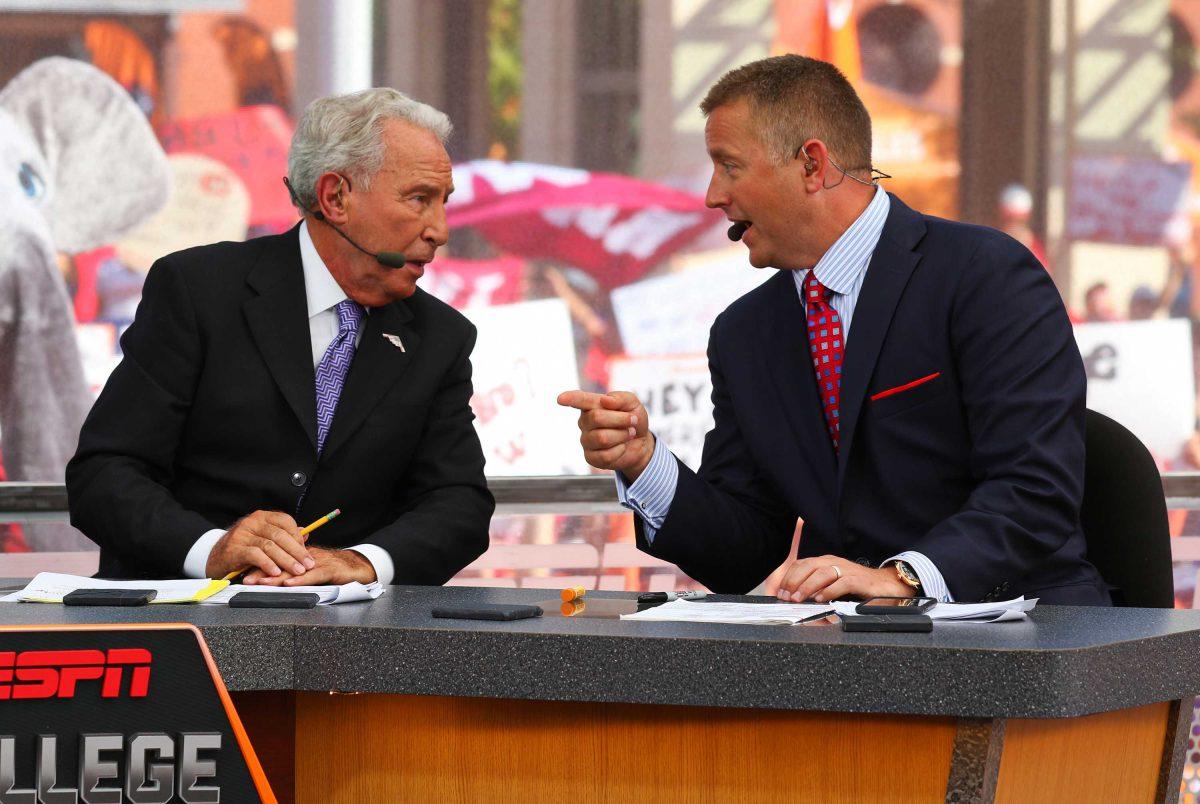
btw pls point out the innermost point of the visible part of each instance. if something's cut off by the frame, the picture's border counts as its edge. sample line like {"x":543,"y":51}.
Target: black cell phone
{"x":109,"y":597}
{"x":917,"y":623}
{"x":898,"y":606}
{"x":274,"y":600}
{"x":487,"y":611}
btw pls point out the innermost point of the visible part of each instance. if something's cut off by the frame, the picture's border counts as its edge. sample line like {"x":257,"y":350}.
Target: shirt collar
{"x":841,"y":266}
{"x":320,"y":288}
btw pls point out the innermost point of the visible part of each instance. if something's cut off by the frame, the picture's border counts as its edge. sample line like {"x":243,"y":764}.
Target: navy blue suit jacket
{"x":979,"y":465}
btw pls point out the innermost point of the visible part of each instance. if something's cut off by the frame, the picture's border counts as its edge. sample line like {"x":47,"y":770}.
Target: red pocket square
{"x":906,"y":387}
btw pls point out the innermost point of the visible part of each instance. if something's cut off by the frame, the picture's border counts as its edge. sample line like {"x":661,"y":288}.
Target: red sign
{"x":253,"y":142}
{"x":474,"y":283}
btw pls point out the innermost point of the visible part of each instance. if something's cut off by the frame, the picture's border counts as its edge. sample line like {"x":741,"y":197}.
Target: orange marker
{"x":573,"y":593}
{"x":573,"y":607}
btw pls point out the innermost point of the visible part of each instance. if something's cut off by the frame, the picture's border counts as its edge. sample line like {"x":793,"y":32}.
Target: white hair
{"x":344,"y":134}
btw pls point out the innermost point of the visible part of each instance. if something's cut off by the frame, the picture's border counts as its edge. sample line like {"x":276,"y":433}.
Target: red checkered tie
{"x":828,"y":347}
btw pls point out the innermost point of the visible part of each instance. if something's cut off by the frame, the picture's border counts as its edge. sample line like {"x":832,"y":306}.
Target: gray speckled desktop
{"x":973,"y":682}
{"x":1063,"y":661}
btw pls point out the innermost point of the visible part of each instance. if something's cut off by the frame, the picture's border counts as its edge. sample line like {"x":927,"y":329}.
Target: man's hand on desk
{"x":332,"y":567}
{"x":828,"y":578}
{"x":614,"y":431}
{"x":267,"y":540}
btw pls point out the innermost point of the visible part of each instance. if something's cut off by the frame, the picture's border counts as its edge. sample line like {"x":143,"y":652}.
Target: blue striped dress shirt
{"x":842,"y":270}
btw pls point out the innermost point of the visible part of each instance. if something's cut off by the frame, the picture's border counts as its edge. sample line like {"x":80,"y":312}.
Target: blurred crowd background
{"x":581,"y":247}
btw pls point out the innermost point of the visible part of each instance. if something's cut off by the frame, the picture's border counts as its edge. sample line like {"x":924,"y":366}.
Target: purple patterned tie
{"x":332,"y":370}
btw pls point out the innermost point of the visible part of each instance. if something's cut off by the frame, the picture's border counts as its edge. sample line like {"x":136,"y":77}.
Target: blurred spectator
{"x":596,"y":334}
{"x":121,"y":53}
{"x":1181,"y":251}
{"x":257,"y":72}
{"x":119,"y":289}
{"x":1016,"y":207}
{"x":1144,"y":303}
{"x":1097,"y":304}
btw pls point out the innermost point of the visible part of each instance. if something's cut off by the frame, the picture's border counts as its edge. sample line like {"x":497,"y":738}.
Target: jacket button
{"x":299,"y":479}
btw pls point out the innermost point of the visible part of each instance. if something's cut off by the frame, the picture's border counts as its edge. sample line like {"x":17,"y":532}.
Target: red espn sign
{"x":56,"y":673}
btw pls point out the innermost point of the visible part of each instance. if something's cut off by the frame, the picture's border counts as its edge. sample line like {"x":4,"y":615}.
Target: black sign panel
{"x":110,"y":714}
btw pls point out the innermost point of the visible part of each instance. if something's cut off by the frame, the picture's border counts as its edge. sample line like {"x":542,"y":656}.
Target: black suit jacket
{"x":212,"y":414}
{"x":979,"y":467}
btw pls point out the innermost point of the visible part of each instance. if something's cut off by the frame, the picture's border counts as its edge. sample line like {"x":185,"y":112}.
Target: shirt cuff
{"x":196,"y":561}
{"x":932,"y":583}
{"x":381,"y":560}
{"x":651,"y":494}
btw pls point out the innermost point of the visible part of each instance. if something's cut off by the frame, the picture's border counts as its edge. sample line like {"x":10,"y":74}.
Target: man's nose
{"x":715,"y":196}
{"x":437,"y":232}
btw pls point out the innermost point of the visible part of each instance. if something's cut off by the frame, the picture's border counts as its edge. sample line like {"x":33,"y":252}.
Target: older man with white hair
{"x":269,"y":382}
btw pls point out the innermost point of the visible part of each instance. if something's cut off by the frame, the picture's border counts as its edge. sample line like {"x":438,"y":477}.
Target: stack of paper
{"x":998,"y":612}
{"x":692,"y":611}
{"x":51,"y":587}
{"x":346,"y":593}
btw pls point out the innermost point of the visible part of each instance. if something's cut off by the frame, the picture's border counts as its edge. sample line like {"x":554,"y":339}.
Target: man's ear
{"x":813,"y":160}
{"x":107,"y":171}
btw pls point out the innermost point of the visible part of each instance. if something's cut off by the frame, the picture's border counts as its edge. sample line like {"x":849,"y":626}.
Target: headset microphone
{"x":737,"y":230}
{"x":388,"y":259}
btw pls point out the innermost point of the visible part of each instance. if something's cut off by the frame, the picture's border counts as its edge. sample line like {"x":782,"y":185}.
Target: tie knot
{"x":349,"y":313}
{"x":814,"y":290}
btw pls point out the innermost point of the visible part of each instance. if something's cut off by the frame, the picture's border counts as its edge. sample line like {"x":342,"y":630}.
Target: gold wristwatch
{"x":907,"y":575}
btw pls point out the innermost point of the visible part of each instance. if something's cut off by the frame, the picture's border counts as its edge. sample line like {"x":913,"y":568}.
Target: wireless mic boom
{"x":388,"y":259}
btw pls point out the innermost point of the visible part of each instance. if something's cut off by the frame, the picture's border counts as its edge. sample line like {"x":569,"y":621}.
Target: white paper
{"x":999,"y":611}
{"x":1123,"y":359}
{"x":53,"y":586}
{"x":346,"y":593}
{"x":690,"y":611}
{"x":671,"y":314}
{"x":677,"y":393}
{"x":524,"y":358}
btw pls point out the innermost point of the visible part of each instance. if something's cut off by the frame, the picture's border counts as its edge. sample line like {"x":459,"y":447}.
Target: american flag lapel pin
{"x":394,"y":340}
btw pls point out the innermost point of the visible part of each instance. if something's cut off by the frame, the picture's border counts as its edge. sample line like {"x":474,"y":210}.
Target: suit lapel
{"x":887,"y":274}
{"x":378,"y":363}
{"x":278,"y":321}
{"x":789,"y":366}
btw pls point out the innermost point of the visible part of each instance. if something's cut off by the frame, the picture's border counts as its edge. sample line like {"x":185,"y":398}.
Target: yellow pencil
{"x":304,"y":531}
{"x":307,"y":529}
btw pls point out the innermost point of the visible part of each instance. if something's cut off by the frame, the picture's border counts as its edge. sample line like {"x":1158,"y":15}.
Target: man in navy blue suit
{"x":907,"y":386}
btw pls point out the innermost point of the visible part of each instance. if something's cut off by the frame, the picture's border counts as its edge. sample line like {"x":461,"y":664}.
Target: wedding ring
{"x":836,"y":570}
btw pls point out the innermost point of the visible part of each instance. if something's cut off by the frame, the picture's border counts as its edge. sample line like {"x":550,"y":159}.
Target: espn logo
{"x":33,"y":674}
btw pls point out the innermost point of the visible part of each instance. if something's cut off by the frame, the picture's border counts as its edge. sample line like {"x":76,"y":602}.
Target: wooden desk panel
{"x":1106,"y":755}
{"x":366,"y":748}
{"x":320,"y":747}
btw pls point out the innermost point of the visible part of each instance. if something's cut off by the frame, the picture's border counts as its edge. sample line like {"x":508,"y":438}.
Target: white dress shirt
{"x":842,"y":269}
{"x":323,"y":294}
